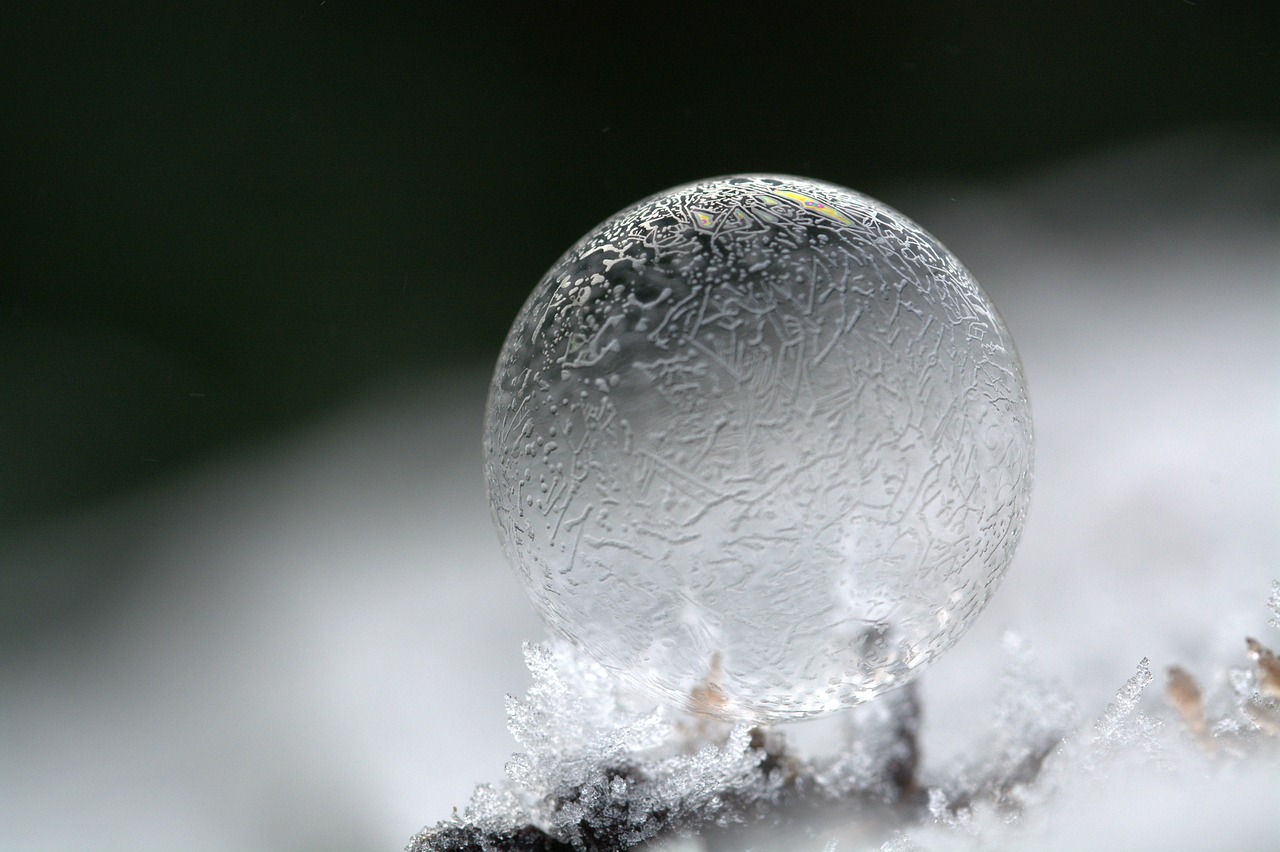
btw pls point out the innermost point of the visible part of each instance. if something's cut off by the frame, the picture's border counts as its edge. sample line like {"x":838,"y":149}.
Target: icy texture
{"x":593,"y":768}
{"x":594,"y":762}
{"x":599,"y":773}
{"x":1124,"y":727}
{"x":1134,"y":750}
{"x":761,"y":445}
{"x":1032,"y":717}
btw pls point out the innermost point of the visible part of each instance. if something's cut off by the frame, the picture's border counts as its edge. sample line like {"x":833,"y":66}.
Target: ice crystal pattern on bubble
{"x":761,"y":441}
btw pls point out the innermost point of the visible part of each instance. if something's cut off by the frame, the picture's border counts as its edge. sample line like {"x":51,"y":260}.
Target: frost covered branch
{"x":597,"y":774}
{"x":600,"y":773}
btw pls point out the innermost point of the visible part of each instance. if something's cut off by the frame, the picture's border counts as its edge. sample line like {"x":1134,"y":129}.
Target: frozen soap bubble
{"x":761,"y":445}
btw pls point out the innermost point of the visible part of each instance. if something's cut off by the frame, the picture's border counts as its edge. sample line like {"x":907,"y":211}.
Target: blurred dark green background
{"x":225,"y":218}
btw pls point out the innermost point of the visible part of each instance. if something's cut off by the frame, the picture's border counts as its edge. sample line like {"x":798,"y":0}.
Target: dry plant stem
{"x":1268,"y":668}
{"x":1263,"y":709}
{"x":1184,"y":694}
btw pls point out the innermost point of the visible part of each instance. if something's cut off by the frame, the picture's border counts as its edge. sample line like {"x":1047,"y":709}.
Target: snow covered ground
{"x":315,"y":640}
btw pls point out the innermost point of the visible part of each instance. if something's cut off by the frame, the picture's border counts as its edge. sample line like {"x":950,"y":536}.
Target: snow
{"x":314,"y":642}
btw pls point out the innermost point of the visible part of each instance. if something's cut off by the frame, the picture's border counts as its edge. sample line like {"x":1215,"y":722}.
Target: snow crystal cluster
{"x":601,"y":772}
{"x":598,"y":773}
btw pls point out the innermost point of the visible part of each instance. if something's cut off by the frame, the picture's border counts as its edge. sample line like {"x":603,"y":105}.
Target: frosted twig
{"x":596,"y":776}
{"x":600,"y":775}
{"x":1126,"y":701}
{"x":1032,"y":717}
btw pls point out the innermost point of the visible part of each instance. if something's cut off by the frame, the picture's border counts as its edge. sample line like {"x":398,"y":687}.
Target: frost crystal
{"x":899,"y":843}
{"x":600,"y":773}
{"x":1032,"y":716}
{"x":1123,"y":725}
{"x":596,"y":773}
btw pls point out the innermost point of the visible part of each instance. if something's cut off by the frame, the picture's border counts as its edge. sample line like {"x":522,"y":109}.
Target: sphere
{"x":760,"y":445}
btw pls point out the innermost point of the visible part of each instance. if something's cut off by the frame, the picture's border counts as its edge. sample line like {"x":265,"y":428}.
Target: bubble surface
{"x":761,"y":445}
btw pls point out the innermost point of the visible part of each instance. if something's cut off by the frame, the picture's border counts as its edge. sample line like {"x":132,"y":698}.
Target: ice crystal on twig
{"x":899,"y":843}
{"x":1032,"y":716}
{"x":599,"y":773}
{"x":1124,"y":725}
